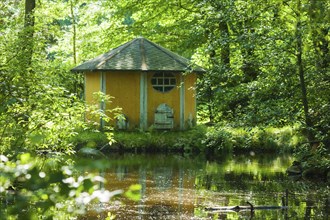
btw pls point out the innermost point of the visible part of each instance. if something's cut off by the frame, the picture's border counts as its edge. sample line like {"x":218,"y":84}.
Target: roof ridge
{"x":124,"y":46}
{"x":169,"y":53}
{"x":144,"y":65}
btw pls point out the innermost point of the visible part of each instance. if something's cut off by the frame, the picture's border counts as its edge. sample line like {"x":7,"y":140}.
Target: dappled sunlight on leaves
{"x":46,"y":188}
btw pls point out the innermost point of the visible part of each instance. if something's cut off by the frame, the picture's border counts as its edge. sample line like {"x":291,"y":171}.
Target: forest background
{"x":267,"y":61}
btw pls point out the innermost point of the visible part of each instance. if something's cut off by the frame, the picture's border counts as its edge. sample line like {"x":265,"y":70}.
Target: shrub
{"x":257,"y":139}
{"x":215,"y":139}
{"x":218,"y":140}
{"x":30,"y":188}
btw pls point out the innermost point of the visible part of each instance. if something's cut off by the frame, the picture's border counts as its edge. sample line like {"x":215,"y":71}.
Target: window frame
{"x":163,"y":81}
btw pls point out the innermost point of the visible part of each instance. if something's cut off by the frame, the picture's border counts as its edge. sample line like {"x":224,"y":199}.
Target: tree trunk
{"x":29,"y":31}
{"x":29,"y":13}
{"x":319,"y":33}
{"x":301,"y":73}
{"x":74,"y":45}
{"x":26,"y":73}
{"x":225,"y":50}
{"x":210,"y":105}
{"x":74,"y":34}
{"x":250,"y":68}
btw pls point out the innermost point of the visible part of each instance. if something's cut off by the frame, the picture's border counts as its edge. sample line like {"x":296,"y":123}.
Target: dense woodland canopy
{"x":268,"y":61}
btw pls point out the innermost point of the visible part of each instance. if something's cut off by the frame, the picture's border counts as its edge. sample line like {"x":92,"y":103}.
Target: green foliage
{"x":255,"y":80}
{"x":317,"y":158}
{"x":46,"y":121}
{"x":192,"y":140}
{"x":157,"y":141}
{"x":200,"y":139}
{"x":41,"y":112}
{"x":247,"y":46}
{"x":218,"y":139}
{"x":254,"y":139}
{"x":252,"y":84}
{"x":153,"y":141}
{"x":30,"y":188}
{"x":90,"y":138}
{"x":97,"y":130}
{"x":96,"y":116}
{"x":133,"y":192}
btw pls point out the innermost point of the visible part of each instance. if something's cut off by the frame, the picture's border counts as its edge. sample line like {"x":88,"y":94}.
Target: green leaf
{"x":25,"y":158}
{"x":88,"y":186}
{"x":134,"y":192}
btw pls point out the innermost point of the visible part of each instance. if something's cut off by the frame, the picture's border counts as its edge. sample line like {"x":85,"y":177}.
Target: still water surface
{"x":177,"y":187}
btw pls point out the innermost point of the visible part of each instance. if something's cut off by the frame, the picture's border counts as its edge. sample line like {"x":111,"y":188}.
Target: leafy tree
{"x":267,"y":61}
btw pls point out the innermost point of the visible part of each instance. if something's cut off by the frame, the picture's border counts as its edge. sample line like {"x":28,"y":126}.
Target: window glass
{"x":163,"y":82}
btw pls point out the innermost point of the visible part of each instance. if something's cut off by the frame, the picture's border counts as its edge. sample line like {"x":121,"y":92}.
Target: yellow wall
{"x":125,"y":88}
{"x":92,"y":85}
{"x":171,"y":98}
{"x":190,"y":96}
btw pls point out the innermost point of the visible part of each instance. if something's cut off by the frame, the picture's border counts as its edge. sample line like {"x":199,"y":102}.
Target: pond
{"x":178,"y":187}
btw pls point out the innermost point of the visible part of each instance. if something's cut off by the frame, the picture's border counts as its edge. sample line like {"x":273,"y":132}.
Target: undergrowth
{"x":215,"y":139}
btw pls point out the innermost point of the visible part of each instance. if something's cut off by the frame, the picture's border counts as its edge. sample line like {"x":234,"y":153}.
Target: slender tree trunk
{"x":29,"y":31}
{"x":250,"y":68}
{"x":74,"y":34}
{"x":319,"y":34}
{"x":225,"y":50}
{"x":210,"y":84}
{"x":25,"y":73}
{"x":301,"y":73}
{"x":77,"y":86}
{"x":26,"y":39}
{"x":29,"y":13}
{"x":210,"y":104}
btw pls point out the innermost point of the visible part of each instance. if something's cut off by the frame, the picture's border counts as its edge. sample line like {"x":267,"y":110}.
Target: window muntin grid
{"x":163,"y":82}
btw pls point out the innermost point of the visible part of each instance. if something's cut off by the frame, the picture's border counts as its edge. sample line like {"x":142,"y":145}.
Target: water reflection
{"x":174,"y":187}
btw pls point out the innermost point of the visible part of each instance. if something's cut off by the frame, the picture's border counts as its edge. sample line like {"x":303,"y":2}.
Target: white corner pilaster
{"x":103,"y":90}
{"x":143,"y":101}
{"x":84,"y":92}
{"x":182,"y":101}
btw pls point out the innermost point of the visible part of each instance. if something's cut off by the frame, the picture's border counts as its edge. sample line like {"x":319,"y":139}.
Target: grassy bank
{"x":199,"y":139}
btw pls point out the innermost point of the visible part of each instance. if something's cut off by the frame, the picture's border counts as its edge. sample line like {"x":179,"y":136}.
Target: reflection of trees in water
{"x":161,"y":211}
{"x":224,"y":184}
{"x":163,"y":177}
{"x":143,"y":181}
{"x":240,"y":180}
{"x":314,"y":207}
{"x":266,"y":190}
{"x":121,"y":172}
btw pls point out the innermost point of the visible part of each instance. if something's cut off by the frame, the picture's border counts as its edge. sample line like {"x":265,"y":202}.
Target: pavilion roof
{"x":139,"y":54}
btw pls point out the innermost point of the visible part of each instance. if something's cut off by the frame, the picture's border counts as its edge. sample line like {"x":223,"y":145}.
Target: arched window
{"x":163,"y":81}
